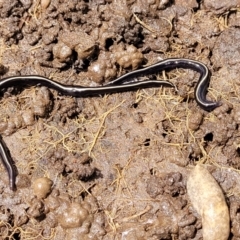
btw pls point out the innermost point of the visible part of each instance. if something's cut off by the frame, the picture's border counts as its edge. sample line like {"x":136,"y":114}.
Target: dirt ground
{"x":116,"y":166}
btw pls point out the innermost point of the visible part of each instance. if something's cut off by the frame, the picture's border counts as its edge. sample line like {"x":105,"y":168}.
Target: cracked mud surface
{"x":116,"y":166}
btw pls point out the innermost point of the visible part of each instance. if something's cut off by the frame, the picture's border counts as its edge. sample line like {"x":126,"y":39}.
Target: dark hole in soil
{"x":16,"y":236}
{"x":146,"y":143}
{"x":65,"y":173}
{"x":135,"y":105}
{"x":175,"y":194}
{"x":238,"y":151}
{"x":152,"y":171}
{"x":84,"y":195}
{"x":164,"y":135}
{"x":109,"y":43}
{"x":208,"y":137}
{"x":193,"y":158}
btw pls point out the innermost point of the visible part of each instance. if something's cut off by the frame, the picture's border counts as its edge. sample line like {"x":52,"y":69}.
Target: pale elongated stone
{"x":207,"y":198}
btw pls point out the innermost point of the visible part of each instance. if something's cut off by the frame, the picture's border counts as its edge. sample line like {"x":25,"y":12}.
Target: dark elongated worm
{"x":126,"y":82}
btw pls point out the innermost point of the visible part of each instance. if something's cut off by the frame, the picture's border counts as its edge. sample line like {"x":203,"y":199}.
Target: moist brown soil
{"x":118,"y":163}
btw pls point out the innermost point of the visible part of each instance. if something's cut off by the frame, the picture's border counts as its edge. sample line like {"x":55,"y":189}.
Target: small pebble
{"x":42,"y":187}
{"x":45,"y":3}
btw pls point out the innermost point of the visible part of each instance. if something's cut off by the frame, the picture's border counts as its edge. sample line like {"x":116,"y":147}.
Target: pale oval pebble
{"x":45,"y":3}
{"x":42,"y":187}
{"x":207,"y":198}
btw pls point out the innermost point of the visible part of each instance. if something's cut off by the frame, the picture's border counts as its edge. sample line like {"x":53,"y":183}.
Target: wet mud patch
{"x":116,"y":166}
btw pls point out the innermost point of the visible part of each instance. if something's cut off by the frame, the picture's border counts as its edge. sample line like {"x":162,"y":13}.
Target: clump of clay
{"x":170,"y":183}
{"x":75,"y":216}
{"x":129,"y":58}
{"x":62,"y":52}
{"x":28,"y":117}
{"x":41,"y":103}
{"x":39,"y":106}
{"x":102,"y":69}
{"x":207,"y":198}
{"x":37,"y":209}
{"x":195,"y":120}
{"x":42,"y":187}
{"x":79,"y":165}
{"x":80,"y":42}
